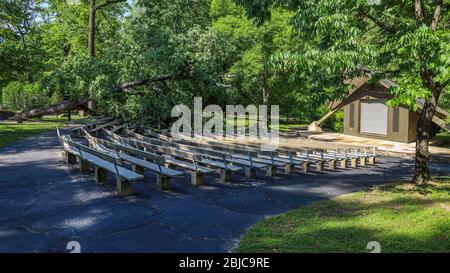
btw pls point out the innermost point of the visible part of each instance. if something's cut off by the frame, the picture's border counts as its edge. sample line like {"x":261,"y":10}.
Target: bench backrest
{"x":85,"y":149}
{"x":129,"y":150}
{"x":120,"y":127}
{"x":158,"y":136}
{"x":184,"y":147}
{"x":168,"y":150}
{"x":101,"y":126}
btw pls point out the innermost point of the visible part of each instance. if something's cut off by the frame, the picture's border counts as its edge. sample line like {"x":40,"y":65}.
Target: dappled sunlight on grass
{"x":11,"y":131}
{"x":402,"y":217}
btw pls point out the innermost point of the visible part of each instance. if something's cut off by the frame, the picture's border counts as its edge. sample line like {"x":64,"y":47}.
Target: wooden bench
{"x":362,"y":156}
{"x":174,"y":158}
{"x":286,"y":156}
{"x":77,"y":131}
{"x":153,"y":162}
{"x":120,"y":127}
{"x":251,"y":161}
{"x":290,"y":162}
{"x":272,"y":159}
{"x":103,"y":163}
{"x":249,"y":165}
{"x":98,"y":128}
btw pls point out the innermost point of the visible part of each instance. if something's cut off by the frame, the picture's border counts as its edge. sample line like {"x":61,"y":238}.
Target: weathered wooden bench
{"x":153,"y":162}
{"x":272,"y":159}
{"x":251,"y":157}
{"x":173,"y":158}
{"x":98,"y":128}
{"x":120,"y":127}
{"x":77,"y":130}
{"x":103,"y":163}
{"x":236,"y":159}
{"x":290,"y":162}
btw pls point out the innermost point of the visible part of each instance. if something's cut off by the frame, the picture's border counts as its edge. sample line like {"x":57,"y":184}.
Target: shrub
{"x":19,"y":96}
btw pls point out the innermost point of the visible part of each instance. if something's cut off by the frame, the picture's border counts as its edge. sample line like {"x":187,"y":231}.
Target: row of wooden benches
{"x":161,"y":156}
{"x":345,"y":152}
{"x":354,"y":158}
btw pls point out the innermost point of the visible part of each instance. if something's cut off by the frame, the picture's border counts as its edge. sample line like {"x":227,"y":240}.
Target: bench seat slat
{"x":187,"y":165}
{"x":221,"y":165}
{"x":151,"y":166}
{"x":123,"y":172}
{"x":284,"y":159}
{"x":246,"y":163}
{"x":143,"y":163}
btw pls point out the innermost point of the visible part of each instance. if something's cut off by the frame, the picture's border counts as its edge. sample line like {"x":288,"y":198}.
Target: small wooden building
{"x":366,"y":113}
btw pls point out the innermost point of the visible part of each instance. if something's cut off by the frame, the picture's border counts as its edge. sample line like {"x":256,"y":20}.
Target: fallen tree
{"x":58,"y":108}
{"x":81,"y":103}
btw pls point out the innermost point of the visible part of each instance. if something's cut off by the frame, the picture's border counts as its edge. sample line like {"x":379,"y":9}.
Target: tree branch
{"x":160,"y":78}
{"x":379,"y":23}
{"x":437,"y":14}
{"x":106,"y":18}
{"x":107,"y":3}
{"x":63,"y":106}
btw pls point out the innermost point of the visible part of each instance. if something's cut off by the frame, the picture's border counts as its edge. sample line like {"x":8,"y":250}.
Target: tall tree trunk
{"x":424,"y":127}
{"x":264,"y":87}
{"x":91,"y":42}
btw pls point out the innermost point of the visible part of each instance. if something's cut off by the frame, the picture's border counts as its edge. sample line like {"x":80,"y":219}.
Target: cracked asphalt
{"x":45,"y":204}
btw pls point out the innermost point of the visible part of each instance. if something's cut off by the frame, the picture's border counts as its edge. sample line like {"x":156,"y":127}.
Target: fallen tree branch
{"x":58,"y":108}
{"x":160,"y":78}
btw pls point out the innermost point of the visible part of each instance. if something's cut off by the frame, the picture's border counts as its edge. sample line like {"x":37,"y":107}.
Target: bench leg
{"x":137,"y":169}
{"x":69,"y":158}
{"x":271,"y":171}
{"x":319,"y":166}
{"x":362,"y":161}
{"x":305,"y":167}
{"x":162,"y":182}
{"x":124,"y":187}
{"x":197,"y":178}
{"x":225,"y":175}
{"x":332,"y":165}
{"x":101,"y":175}
{"x":353,"y":162}
{"x":250,"y":172}
{"x":289,"y":169}
{"x":343,"y":163}
{"x":371,"y":160}
{"x":84,"y":166}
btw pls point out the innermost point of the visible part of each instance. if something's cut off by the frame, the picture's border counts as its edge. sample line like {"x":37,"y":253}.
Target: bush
{"x":18,"y":96}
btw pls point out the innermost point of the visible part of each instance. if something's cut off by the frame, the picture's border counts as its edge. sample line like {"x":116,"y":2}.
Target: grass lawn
{"x":11,"y":131}
{"x":282,"y":127}
{"x":402,"y":217}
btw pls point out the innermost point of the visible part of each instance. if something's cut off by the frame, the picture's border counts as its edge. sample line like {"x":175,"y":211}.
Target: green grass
{"x":283,"y":126}
{"x":287,"y":127}
{"x":442,"y":139}
{"x":402,"y":217}
{"x":11,"y":132}
{"x":55,"y":118}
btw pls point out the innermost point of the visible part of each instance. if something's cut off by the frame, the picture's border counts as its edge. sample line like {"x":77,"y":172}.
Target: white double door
{"x":374,"y":117}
